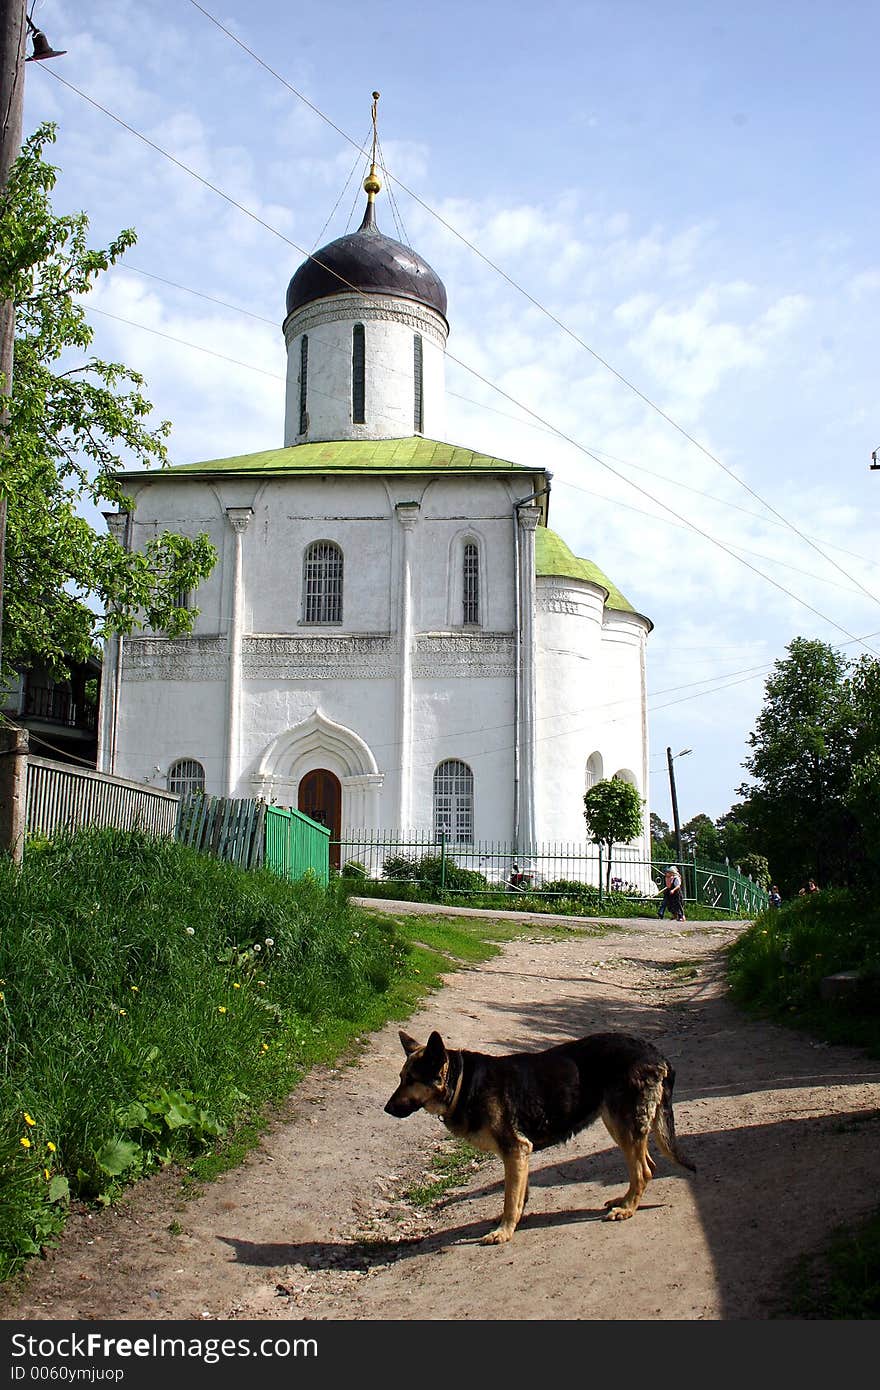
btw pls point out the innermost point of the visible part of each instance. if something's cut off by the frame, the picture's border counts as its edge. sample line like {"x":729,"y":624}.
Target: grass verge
{"x":156,"y":1004}
{"x":776,"y":968}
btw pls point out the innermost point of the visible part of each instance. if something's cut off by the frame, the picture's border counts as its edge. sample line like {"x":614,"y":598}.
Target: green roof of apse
{"x":553,"y":557}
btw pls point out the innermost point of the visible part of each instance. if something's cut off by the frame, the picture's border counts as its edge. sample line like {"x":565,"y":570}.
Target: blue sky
{"x":690,"y":189}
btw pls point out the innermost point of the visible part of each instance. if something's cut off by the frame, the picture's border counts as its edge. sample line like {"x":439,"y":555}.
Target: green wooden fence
{"x":296,"y":844}
{"x":254,"y":835}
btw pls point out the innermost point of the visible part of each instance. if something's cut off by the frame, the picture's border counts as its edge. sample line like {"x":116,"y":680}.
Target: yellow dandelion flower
{"x":50,"y":1146}
{"x":46,"y":1174}
{"x":122,"y":1011}
{"x":134,"y":989}
{"x":25,"y":1141}
{"x":2,"y":995}
{"x":28,"y":1120}
{"x":221,"y":1008}
{"x":264,"y":1047}
{"x":236,"y":986}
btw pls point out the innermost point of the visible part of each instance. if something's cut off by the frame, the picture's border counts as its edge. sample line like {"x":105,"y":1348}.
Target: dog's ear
{"x":408,"y":1044}
{"x":435,"y":1051}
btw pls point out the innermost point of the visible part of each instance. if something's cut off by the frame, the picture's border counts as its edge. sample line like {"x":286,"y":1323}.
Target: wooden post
{"x":13,"y":792}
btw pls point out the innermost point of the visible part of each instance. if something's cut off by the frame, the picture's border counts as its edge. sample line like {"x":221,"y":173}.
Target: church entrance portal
{"x":320,"y":796}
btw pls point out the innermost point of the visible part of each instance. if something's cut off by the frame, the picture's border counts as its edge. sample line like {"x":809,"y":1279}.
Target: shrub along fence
{"x":551,"y":869}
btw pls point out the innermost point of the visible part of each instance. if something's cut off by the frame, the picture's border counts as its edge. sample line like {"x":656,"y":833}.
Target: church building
{"x":392,"y":639}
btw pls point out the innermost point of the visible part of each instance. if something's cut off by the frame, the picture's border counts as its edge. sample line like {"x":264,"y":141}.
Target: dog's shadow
{"x":369,"y":1254}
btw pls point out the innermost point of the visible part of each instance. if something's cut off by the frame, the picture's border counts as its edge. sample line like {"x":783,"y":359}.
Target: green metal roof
{"x":412,"y":455}
{"x":552,"y":556}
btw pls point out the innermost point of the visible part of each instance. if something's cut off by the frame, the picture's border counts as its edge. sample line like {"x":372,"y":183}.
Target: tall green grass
{"x":776,"y":968}
{"x":777,"y":965}
{"x":149,"y":994}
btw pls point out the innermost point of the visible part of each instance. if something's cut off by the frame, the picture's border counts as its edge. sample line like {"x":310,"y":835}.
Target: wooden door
{"x":320,"y":796}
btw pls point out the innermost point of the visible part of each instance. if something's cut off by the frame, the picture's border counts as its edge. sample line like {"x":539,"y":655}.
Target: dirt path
{"x":314,"y":1225}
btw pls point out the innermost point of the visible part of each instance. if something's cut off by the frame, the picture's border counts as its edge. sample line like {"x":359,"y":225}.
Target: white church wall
{"x":289,"y":515}
{"x":453,"y":509}
{"x":571,"y":693}
{"x":161,"y":721}
{"x":590,"y":700}
{"x":467,"y":718}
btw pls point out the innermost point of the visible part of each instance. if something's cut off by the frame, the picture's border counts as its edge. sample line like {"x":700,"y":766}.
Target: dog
{"x":527,"y":1101}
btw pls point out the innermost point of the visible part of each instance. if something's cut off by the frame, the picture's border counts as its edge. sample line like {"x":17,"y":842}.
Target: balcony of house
{"x":61,"y":716}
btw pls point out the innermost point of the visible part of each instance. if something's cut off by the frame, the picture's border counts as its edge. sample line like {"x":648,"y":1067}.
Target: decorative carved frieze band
{"x":462,"y":654}
{"x":181,"y":659}
{"x":418,"y":317}
{"x":339,"y":657}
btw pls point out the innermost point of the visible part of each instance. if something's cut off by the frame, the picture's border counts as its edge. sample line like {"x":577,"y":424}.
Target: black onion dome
{"x":369,"y":262}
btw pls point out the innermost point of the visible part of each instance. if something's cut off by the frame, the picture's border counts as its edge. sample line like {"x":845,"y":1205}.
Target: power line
{"x":517,"y":419}
{"x":329,"y":395}
{"x":544,"y":310}
{"x":450,"y":357}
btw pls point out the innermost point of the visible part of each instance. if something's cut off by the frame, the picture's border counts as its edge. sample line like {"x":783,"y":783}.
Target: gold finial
{"x":372,"y":183}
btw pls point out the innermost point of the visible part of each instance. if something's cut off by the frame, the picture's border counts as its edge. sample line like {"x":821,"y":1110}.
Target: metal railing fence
{"x":554,"y":869}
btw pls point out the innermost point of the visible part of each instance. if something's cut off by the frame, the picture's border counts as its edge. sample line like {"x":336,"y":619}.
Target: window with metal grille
{"x":322,"y":583}
{"x":358,"y":375}
{"x":186,"y":775}
{"x":594,"y":770}
{"x":454,"y":802}
{"x":418,"y":409}
{"x":303,"y":384}
{"x":471,"y":576}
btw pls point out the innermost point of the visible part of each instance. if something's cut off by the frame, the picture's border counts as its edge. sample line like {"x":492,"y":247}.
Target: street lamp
{"x":670,"y":756}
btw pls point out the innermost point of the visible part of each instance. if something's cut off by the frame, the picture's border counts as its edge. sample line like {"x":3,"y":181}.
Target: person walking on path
{"x":672,"y":895}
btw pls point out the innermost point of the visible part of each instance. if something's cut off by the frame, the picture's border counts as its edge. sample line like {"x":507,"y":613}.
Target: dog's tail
{"x":663,"y":1126}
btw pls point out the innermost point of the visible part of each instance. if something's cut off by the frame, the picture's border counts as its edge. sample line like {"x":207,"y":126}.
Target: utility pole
{"x":670,"y":756}
{"x":13,"y":29}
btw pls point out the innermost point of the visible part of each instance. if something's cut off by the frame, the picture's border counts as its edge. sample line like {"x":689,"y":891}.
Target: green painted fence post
{"x":601,"y":876}
{"x":442,"y":860}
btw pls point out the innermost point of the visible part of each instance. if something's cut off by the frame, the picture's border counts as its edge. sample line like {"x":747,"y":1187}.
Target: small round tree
{"x":613,"y":812}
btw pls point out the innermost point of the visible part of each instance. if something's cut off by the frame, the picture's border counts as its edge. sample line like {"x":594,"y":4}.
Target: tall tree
{"x":613,"y":812}
{"x":74,"y":422}
{"x":863,"y":795}
{"x":796,"y":807}
{"x":700,"y":838}
{"x":662,"y":839}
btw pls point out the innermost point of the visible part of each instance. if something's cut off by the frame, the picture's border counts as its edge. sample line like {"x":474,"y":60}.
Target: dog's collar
{"x":456,"y":1090}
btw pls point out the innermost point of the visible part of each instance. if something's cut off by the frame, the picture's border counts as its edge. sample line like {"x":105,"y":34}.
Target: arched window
{"x":358,"y":375}
{"x":623,"y":774}
{"x":322,"y":583}
{"x":471,"y":583}
{"x":185,"y":776}
{"x":454,"y":802}
{"x":418,"y":406}
{"x":303,"y":384}
{"x":594,"y":770}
